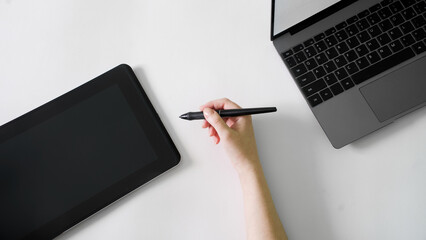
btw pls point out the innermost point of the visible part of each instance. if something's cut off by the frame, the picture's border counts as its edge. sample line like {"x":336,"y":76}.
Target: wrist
{"x":249,"y":167}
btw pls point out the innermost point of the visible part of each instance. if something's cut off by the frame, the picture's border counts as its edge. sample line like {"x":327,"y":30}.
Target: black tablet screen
{"x":65,"y":160}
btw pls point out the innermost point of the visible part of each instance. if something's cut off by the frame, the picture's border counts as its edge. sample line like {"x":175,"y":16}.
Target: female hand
{"x":236,"y":134}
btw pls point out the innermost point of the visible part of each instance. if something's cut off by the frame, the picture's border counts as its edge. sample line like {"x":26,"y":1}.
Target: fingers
{"x":214,"y":135}
{"x":223,"y":103}
{"x":216,"y":122}
{"x":205,"y":124}
{"x":228,"y":121}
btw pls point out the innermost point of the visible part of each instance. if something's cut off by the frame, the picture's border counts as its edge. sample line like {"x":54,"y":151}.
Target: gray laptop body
{"x":380,"y":98}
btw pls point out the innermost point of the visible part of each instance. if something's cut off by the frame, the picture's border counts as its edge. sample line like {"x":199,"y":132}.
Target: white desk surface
{"x":188,"y":52}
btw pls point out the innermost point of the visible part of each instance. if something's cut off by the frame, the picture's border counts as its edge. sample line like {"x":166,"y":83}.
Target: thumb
{"x":216,"y":121}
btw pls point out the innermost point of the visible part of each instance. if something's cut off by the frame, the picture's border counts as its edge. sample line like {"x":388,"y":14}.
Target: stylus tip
{"x":184,"y":116}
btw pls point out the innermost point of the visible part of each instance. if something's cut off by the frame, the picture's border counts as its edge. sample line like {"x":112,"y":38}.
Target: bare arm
{"x":237,"y":137}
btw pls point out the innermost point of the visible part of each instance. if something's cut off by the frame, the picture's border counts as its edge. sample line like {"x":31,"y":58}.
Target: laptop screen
{"x":288,"y":13}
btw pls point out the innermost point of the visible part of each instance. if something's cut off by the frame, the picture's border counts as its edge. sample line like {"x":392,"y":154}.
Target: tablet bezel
{"x":160,"y":140}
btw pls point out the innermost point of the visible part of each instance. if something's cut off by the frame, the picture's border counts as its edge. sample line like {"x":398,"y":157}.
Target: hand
{"x":236,"y":134}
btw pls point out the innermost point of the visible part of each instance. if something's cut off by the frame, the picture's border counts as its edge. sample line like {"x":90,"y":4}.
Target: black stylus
{"x":229,"y":113}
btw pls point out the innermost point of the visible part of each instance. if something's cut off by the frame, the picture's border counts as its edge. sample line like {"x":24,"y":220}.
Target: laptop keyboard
{"x":359,"y":48}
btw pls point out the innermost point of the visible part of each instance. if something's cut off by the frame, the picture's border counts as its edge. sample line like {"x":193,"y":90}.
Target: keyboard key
{"x":352,"y":42}
{"x":330,"y":31}
{"x":408,"y":3}
{"x":321,"y":58}
{"x":419,"y":47}
{"x":351,"y":68}
{"x":375,"y":7}
{"x":352,"y":20}
{"x":407,"y":40}
{"x":419,"y":34}
{"x":299,"y":70}
{"x":373,"y":44}
{"x":340,"y":61}
{"x":311,"y":64}
{"x":362,"y":63}
{"x":373,"y":57}
{"x":306,"y":79}
{"x":329,"y":66}
{"x":300,"y":57}
{"x":409,"y":13}
{"x":290,"y":62}
{"x":287,"y":53}
{"x":310,"y":52}
{"x":407,"y":27}
{"x":397,"y":19}
{"x":336,"y":89}
{"x":331,"y":41}
{"x":396,"y":7}
{"x":321,"y":46}
{"x":347,"y":83}
{"x":351,"y":55}
{"x":319,"y":37}
{"x":386,"y":2}
{"x":396,"y":46}
{"x":363,"y":36}
{"x":326,"y":94}
{"x":362,"y":50}
{"x":298,"y":48}
{"x":373,"y":19}
{"x":420,"y":7}
{"x":418,"y":21}
{"x":384,"y":13}
{"x":383,"y":65}
{"x":314,"y":100}
{"x":341,"y":25}
{"x":385,"y":52}
{"x":342,"y":47}
{"x":385,"y":25}
{"x":330,"y":79}
{"x":363,"y":24}
{"x":319,"y":72}
{"x":352,"y":30}
{"x":309,"y":42}
{"x":341,"y":35}
{"x":374,"y":31}
{"x":331,"y":53}
{"x":363,"y":14}
{"x":314,"y":87}
{"x":341,"y":73}
{"x":384,"y":39}
{"x":395,"y":33}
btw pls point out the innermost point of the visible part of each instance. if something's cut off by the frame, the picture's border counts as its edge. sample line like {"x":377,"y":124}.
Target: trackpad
{"x":398,"y":91}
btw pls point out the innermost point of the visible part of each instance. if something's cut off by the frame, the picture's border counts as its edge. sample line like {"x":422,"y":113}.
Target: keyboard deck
{"x":357,"y":49}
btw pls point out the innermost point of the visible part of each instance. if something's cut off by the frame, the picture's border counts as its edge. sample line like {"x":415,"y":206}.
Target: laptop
{"x":360,"y":64}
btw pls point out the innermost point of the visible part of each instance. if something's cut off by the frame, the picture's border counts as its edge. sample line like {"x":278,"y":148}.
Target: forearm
{"x":261,"y":216}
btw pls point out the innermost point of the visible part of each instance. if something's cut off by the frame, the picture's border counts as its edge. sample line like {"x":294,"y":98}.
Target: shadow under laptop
{"x":287,"y":148}
{"x":406,"y":122}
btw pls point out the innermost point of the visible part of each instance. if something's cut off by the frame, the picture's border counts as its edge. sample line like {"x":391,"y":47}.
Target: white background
{"x":185,"y":53}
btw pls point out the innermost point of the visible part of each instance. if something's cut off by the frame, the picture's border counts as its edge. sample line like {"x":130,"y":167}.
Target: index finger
{"x":219,"y":104}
